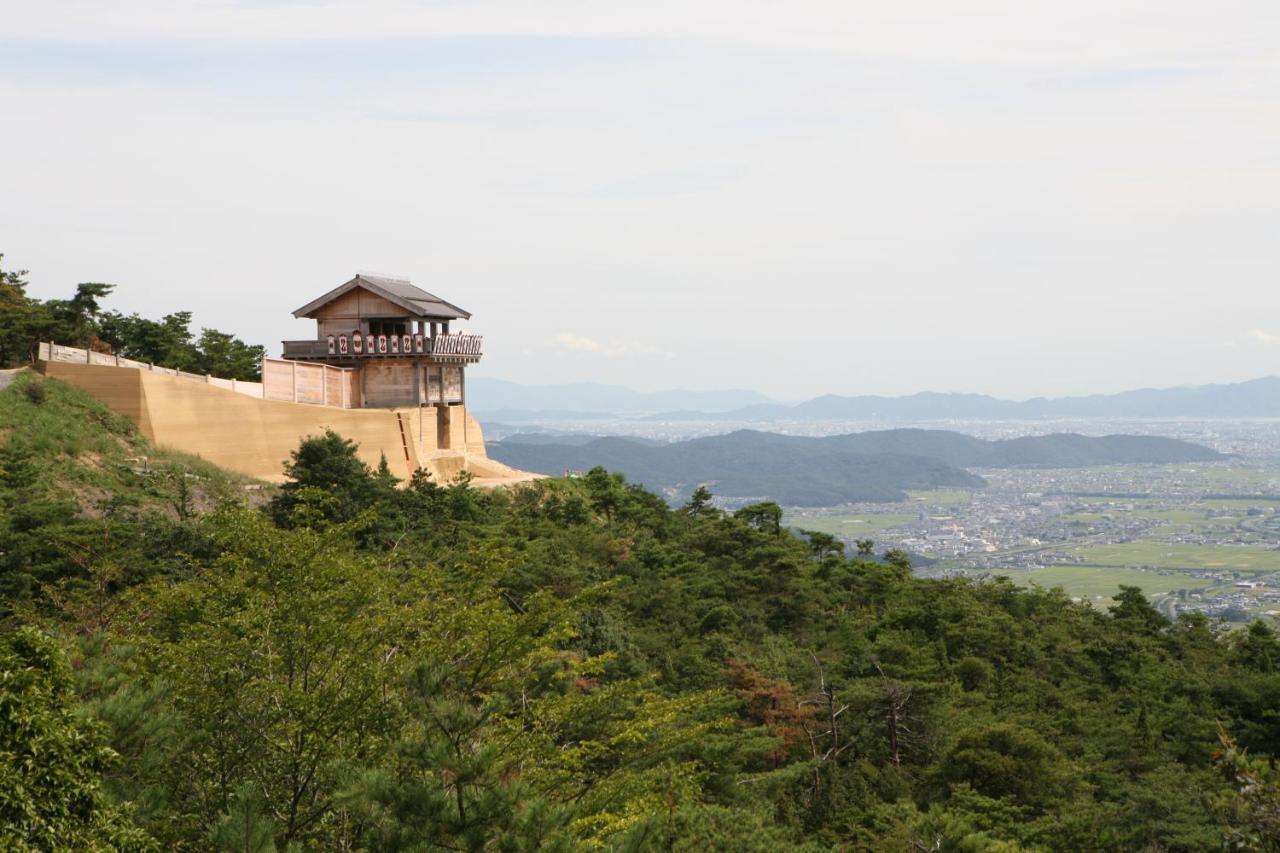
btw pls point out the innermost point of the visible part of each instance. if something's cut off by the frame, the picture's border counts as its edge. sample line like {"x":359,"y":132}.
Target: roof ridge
{"x":383,"y":277}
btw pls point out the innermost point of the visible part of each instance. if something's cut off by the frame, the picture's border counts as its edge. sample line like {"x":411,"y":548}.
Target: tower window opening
{"x":390,"y":328}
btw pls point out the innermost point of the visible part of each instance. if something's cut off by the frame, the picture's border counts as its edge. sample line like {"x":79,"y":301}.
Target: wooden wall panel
{"x":432,"y":372}
{"x":309,"y":383}
{"x":333,"y":382}
{"x":359,"y":303}
{"x":354,"y":398}
{"x":316,"y":384}
{"x":452,"y":383}
{"x":389,"y":383}
{"x":277,"y":380}
{"x":336,"y":326}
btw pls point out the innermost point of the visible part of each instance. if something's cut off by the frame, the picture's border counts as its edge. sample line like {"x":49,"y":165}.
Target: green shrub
{"x":35,"y":392}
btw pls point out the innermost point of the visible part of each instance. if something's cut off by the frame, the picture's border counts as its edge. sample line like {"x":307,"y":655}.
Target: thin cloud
{"x":578,"y":343}
{"x":1266,"y":339}
{"x":1121,"y":76}
{"x":571,"y":343}
{"x":667,"y":183}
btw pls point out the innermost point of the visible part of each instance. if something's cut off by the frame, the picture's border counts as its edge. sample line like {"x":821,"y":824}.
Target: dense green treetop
{"x":51,"y":794}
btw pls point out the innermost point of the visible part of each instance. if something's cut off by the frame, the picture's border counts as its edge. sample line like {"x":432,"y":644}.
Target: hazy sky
{"x":1016,"y":198}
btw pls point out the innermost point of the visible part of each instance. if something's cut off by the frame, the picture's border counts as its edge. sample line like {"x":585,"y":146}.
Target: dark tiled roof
{"x":414,"y":300}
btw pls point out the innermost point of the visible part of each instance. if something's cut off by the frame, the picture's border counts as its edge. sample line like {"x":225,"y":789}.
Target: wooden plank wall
{"x":314,"y":384}
{"x":277,"y":379}
{"x":353,"y":398}
{"x":333,"y":388}
{"x":389,"y":383}
{"x":308,"y":383}
{"x":359,"y":303}
{"x":452,"y":383}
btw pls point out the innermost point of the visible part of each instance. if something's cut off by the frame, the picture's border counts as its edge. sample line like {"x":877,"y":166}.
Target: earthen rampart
{"x":236,"y":429}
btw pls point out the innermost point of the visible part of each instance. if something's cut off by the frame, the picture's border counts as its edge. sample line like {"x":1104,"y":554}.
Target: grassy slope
{"x":70,"y":445}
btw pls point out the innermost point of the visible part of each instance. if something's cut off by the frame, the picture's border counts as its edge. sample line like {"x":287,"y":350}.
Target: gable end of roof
{"x":416,"y":301}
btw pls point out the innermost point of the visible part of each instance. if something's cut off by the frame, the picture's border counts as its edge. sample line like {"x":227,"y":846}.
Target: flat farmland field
{"x":1195,"y":516}
{"x":850,"y":525}
{"x":1242,"y":505}
{"x":1188,"y":516}
{"x":1179,"y":556}
{"x":941,"y":497}
{"x":1103,"y":582}
{"x":1086,"y":517}
{"x":1239,"y":477}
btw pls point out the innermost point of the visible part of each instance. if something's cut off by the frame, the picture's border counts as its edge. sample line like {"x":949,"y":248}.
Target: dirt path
{"x":6,"y":376}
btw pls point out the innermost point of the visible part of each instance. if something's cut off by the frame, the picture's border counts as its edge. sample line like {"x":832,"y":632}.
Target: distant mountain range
{"x":535,"y":416}
{"x":570,"y":439}
{"x":1256,"y":398}
{"x":868,"y":466}
{"x":492,"y":396}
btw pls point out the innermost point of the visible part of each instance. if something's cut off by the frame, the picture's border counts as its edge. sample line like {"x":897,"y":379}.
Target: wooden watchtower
{"x":396,"y":336}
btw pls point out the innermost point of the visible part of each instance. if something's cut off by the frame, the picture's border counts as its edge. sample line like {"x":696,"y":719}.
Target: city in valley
{"x":1198,"y":537}
{"x":1194,"y":537}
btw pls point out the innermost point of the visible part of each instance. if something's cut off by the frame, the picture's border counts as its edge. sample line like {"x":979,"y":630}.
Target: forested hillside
{"x":880,"y":465}
{"x":188,"y":662}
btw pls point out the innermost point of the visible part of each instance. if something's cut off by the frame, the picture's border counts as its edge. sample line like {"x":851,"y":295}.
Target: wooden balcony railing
{"x":457,"y":347}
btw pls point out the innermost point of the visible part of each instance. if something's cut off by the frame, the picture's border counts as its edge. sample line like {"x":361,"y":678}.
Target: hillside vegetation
{"x":569,"y":665}
{"x":867,"y":466}
{"x":72,"y":473}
